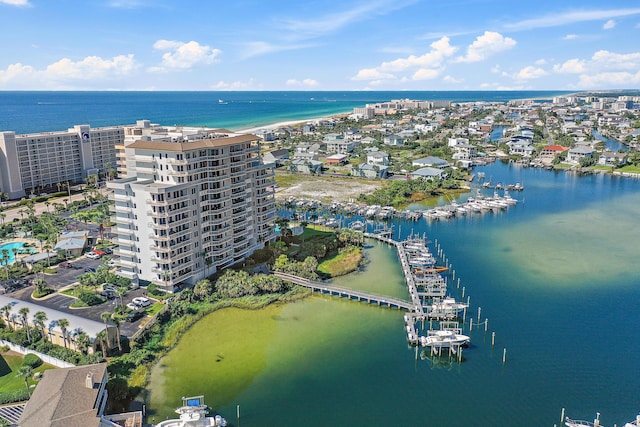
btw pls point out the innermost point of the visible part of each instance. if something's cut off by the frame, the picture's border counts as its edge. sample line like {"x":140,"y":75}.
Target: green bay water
{"x":557,"y":276}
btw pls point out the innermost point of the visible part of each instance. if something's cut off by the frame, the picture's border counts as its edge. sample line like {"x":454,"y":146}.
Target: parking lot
{"x":67,"y":276}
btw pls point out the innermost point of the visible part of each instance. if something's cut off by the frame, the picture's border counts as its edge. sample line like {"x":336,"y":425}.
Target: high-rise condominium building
{"x":193,"y":201}
{"x":40,"y":161}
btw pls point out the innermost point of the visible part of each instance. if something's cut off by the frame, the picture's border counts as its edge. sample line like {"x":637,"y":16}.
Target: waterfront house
{"x":266,"y":135}
{"x":464,"y":152}
{"x":434,"y":162}
{"x":610,"y":158}
{"x":552,"y":150}
{"x":427,"y":173}
{"x":520,"y":147}
{"x":579,"y":152}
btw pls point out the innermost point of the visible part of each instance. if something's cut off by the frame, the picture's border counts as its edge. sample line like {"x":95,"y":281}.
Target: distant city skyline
{"x":319,"y":45}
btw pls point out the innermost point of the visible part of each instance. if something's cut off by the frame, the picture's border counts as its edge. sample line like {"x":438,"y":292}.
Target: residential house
{"x":337,"y":159}
{"x":427,"y":173}
{"x":336,"y":143}
{"x":277,"y":157}
{"x":610,"y":158}
{"x":520,"y":147}
{"x":393,"y":140}
{"x":73,"y":242}
{"x":464,"y":152}
{"x":378,"y":158}
{"x":74,"y":396}
{"x":352,"y":134}
{"x":431,"y":161}
{"x":367,"y":140}
{"x":579,"y":152}
{"x":552,"y":150}
{"x":306,"y":166}
{"x":371,"y":171}
{"x":266,"y":135}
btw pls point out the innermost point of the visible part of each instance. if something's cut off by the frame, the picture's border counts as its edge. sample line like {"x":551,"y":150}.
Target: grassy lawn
{"x":563,"y":166}
{"x":10,"y":363}
{"x":154,"y":308}
{"x":341,"y":264}
{"x":601,"y":168}
{"x":629,"y":168}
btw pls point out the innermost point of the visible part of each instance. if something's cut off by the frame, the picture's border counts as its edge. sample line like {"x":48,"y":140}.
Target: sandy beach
{"x":290,"y":123}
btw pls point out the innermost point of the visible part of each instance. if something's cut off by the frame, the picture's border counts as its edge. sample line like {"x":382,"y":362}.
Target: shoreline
{"x":273,"y":126}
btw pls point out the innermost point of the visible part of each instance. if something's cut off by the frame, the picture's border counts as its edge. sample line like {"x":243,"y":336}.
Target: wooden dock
{"x":325,"y":288}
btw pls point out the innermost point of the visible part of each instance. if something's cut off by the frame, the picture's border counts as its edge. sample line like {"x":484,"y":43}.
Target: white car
{"x":133,"y":306}
{"x":142,"y":301}
{"x":93,"y":255}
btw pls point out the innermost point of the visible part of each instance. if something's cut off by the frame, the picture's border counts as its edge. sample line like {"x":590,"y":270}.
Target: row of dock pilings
{"x":485,"y":323}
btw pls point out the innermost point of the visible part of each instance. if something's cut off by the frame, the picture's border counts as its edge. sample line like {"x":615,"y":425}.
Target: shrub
{"x":90,"y":298}
{"x":32,"y":360}
{"x":19,"y":395}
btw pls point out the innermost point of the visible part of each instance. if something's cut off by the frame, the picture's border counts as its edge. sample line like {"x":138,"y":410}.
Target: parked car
{"x":93,"y":255}
{"x":107,"y":294}
{"x":107,"y":251}
{"x":99,"y":252}
{"x":142,"y":301}
{"x":134,"y":315}
{"x":133,"y":306}
{"x":65,"y":264}
{"x":109,"y":287}
{"x":89,"y":270}
{"x":111,"y":263}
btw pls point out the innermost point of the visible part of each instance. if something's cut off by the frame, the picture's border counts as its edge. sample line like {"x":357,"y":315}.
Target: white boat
{"x":193,"y":413}
{"x":221,"y":101}
{"x":443,"y":339}
{"x":446,"y":308}
{"x":581,"y":423}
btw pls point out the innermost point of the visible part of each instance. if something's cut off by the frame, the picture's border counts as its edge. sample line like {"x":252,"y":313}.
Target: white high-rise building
{"x":194,"y":201}
{"x":39,"y":161}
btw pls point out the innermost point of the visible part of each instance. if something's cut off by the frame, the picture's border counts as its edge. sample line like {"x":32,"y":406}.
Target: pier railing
{"x":339,"y":291}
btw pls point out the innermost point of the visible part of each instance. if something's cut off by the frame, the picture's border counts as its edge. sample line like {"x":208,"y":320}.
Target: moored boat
{"x":193,"y":413}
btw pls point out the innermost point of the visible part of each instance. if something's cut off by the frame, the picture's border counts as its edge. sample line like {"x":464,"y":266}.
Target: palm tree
{"x":2,"y":217}
{"x":39,"y":320}
{"x":5,"y":260}
{"x":105,"y":316}
{"x":64,"y":324}
{"x":47,"y":204}
{"x":83,"y":342}
{"x":117,"y":323}
{"x":102,"y":339}
{"x":6,"y":310}
{"x":25,"y":372}
{"x":24,"y":312}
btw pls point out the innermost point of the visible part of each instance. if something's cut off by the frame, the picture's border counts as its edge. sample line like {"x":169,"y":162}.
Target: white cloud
{"x":426,"y":74}
{"x":182,"y":55}
{"x":530,"y":72}
{"x":263,"y":48}
{"x":372,"y":74}
{"x":541,"y":61}
{"x":237,"y":85}
{"x":452,"y":80}
{"x":68,"y":74}
{"x":570,"y":37}
{"x":427,"y":66}
{"x":91,"y":68}
{"x":572,"y":66}
{"x":609,"y":25}
{"x":486,"y":45}
{"x":609,"y":80}
{"x":305,"y":82}
{"x":128,"y":4}
{"x":560,"y":19}
{"x":15,"y":2}
{"x":606,"y":59}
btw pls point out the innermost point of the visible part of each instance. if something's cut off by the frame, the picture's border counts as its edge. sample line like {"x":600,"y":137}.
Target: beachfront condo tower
{"x":191,"y":202}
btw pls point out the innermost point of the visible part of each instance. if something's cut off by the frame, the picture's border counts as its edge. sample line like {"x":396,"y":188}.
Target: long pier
{"x":351,"y":294}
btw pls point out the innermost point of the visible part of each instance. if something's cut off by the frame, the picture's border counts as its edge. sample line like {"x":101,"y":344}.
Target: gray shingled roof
{"x":62,"y":398}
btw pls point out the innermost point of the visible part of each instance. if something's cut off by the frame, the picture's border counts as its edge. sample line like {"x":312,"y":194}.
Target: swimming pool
{"x":10,"y":246}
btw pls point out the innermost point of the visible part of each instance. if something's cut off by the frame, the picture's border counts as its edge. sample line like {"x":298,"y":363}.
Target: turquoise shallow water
{"x":557,"y":277}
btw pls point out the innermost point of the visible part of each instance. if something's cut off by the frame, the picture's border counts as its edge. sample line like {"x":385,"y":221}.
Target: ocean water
{"x":556,"y":276}
{"x":27,"y":112}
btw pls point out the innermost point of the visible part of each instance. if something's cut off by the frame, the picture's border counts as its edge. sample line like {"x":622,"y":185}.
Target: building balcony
{"x":120,"y":251}
{"x":155,"y":226}
{"x":177,"y":173}
{"x":121,"y":220}
{"x":127,"y":273}
{"x":177,"y":162}
{"x":163,"y":249}
{"x":152,"y":202}
{"x":120,"y":197}
{"x":159,"y":237}
{"x":126,"y":263}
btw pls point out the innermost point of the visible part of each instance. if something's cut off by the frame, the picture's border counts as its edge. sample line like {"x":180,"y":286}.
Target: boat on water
{"x":596,"y":423}
{"x":222,"y":101}
{"x":193,"y":413}
{"x":444,"y":339}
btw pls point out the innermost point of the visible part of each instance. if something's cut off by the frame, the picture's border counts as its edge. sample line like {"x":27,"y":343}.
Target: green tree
{"x":25,"y":373}
{"x":203,"y":288}
{"x":63,"y":324}
{"x":24,"y":313}
{"x":39,"y":320}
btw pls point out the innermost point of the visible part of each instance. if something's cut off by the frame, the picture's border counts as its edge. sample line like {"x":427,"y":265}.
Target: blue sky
{"x":319,"y":45}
